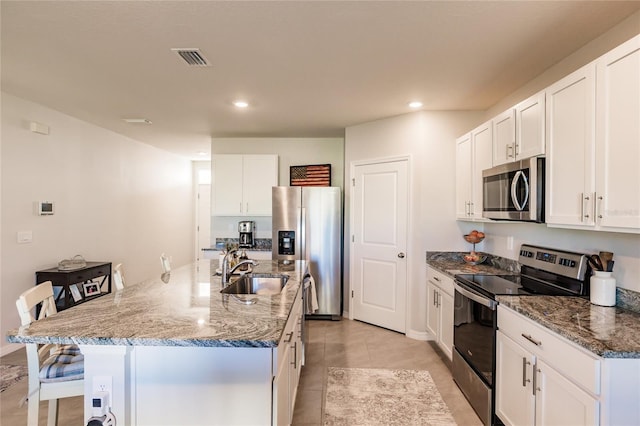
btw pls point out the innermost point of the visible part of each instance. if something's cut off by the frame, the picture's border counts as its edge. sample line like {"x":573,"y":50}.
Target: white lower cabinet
{"x":440,"y":309}
{"x":287,"y":367}
{"x":560,"y":402}
{"x":530,"y":392}
{"x":544,"y":379}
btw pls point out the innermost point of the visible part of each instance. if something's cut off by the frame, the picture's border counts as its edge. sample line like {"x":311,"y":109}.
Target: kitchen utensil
{"x":605,"y":257}
{"x":610,"y":266}
{"x":595,"y":262}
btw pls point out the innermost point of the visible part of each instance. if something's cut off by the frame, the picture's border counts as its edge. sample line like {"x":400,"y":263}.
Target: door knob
{"x":401,"y":255}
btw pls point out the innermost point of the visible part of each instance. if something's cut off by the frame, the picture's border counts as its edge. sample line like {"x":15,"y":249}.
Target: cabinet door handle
{"x":247,"y":211}
{"x":599,"y":206}
{"x":585,"y":199}
{"x":535,"y":379}
{"x":295,"y":355}
{"x":289,"y":338}
{"x":524,"y":371}
{"x":240,"y":206}
{"x":531,"y":339}
{"x":436,"y":278}
{"x":435,"y":298}
{"x":509,"y":147}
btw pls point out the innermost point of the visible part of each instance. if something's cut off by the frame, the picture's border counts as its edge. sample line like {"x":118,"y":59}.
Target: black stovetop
{"x":517,"y":285}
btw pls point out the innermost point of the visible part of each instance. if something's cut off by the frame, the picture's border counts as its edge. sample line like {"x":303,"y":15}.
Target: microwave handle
{"x":514,"y":195}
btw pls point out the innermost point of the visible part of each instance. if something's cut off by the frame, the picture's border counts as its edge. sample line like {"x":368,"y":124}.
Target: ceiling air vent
{"x":193,"y":57}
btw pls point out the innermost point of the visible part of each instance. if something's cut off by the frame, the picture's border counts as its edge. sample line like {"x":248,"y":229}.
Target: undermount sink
{"x":260,"y":284}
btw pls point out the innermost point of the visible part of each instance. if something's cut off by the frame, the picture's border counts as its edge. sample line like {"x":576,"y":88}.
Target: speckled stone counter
{"x":609,"y":332}
{"x":451,"y":263}
{"x":182,"y":308}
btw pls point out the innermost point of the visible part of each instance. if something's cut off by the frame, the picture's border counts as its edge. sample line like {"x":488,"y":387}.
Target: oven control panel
{"x":566,"y":263}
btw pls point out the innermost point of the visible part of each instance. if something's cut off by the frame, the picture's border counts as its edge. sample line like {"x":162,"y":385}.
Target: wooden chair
{"x":164,"y":261}
{"x":55,"y":371}
{"x":118,"y":277}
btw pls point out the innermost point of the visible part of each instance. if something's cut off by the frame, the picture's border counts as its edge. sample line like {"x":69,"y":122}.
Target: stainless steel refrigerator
{"x":307,"y":225}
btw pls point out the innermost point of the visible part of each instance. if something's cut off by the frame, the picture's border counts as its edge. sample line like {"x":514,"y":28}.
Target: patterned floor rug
{"x":11,"y":374}
{"x":360,"y":396}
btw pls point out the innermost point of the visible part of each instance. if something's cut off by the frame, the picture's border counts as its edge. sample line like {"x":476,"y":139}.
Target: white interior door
{"x":204,"y":219}
{"x":379,"y":229}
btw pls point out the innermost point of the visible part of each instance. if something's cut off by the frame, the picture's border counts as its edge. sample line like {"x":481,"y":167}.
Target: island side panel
{"x":111,"y":362}
{"x":201,"y":386}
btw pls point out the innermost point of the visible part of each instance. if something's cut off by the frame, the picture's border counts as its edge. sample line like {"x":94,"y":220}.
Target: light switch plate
{"x":24,"y":237}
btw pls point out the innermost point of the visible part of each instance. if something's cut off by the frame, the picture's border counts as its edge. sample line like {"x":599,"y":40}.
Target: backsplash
{"x":261,"y":244}
{"x":628,"y":299}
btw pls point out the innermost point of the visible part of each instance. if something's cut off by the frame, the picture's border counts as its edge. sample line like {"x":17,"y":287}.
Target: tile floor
{"x":355,"y":344}
{"x":331,"y":344}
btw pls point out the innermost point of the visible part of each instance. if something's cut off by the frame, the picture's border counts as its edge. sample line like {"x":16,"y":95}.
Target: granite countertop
{"x":610,"y":332}
{"x":451,"y":263}
{"x":182,"y":308}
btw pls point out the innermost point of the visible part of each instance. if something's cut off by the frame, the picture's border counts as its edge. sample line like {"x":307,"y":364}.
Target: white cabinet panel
{"x":242,"y":184}
{"x":530,"y":127}
{"x":473,"y":155}
{"x":570,"y":110}
{"x":463,"y":176}
{"x":515,"y":401}
{"x":504,"y":137}
{"x":560,"y":402}
{"x":440,"y":309}
{"x":618,"y":137}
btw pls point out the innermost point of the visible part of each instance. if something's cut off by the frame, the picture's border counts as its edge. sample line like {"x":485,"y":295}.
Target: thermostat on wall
{"x":45,"y":208}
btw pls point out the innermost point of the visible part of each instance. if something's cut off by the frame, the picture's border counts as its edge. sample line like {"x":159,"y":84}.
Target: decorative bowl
{"x":473,"y":239}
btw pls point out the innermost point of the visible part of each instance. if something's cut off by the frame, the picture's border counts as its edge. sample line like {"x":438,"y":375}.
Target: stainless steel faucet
{"x":226,"y":272}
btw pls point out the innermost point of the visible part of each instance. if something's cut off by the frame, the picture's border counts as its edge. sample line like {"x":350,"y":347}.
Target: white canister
{"x":603,"y":289}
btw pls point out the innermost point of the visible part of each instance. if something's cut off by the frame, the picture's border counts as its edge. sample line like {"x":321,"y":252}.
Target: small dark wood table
{"x":63,"y":280}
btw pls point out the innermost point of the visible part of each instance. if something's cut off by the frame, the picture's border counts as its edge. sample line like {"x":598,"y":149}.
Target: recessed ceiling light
{"x":241,"y":104}
{"x":415,"y":104}
{"x":138,"y":120}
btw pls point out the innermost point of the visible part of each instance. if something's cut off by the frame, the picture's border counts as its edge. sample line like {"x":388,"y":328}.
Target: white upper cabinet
{"x":242,"y":184}
{"x":518,"y":133}
{"x":570,"y":149}
{"x":463,"y":176}
{"x":593,"y":144}
{"x":504,"y":137}
{"x":530,"y":126}
{"x":473,"y":155}
{"x":617,"y":193}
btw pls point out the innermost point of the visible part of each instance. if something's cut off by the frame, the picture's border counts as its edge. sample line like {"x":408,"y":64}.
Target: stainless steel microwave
{"x":514,"y":191}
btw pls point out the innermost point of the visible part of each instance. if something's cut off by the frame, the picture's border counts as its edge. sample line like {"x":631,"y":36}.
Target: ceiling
{"x":307,"y":68}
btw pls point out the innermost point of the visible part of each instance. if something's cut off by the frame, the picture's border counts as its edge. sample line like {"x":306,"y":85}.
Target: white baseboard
{"x":419,"y":335}
{"x":345,"y":314}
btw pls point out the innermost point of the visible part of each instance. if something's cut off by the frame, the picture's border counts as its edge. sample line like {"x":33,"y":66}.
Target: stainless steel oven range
{"x":544,"y":271}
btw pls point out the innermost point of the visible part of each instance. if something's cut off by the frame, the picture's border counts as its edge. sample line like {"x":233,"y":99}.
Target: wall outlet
{"x":103,"y":384}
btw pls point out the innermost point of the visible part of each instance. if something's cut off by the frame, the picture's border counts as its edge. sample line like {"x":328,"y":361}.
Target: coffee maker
{"x":247,"y":229}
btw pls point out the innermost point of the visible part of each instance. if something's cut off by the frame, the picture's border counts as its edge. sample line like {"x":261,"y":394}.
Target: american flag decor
{"x":315,"y":175}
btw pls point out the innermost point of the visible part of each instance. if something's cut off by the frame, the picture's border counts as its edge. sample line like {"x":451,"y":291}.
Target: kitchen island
{"x":177,"y":351}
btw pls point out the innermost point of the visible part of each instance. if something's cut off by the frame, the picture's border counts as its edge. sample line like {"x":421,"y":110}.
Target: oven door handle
{"x":484,"y":301}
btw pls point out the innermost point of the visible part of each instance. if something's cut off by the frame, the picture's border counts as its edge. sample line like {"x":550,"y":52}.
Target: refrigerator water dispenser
{"x":286,"y":243}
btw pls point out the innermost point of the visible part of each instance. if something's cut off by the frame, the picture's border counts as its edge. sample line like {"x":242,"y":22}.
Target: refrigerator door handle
{"x":303,"y":234}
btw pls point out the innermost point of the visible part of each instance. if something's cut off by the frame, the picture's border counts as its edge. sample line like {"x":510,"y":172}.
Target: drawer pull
{"x":289,"y":338}
{"x":531,"y":339}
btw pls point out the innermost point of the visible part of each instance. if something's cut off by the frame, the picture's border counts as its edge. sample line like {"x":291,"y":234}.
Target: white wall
{"x":116,"y":200}
{"x":429,"y":139}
